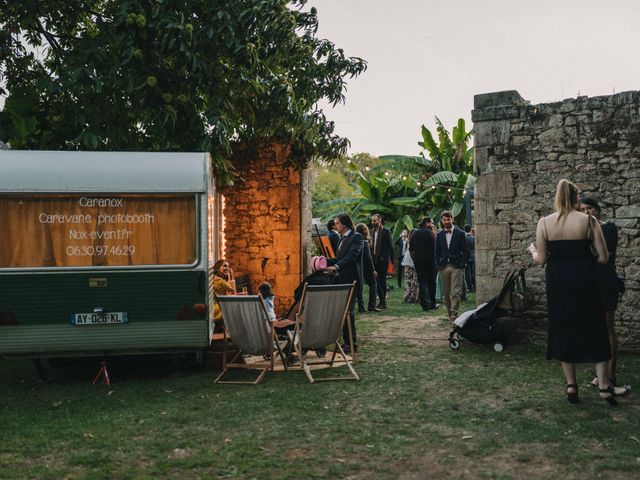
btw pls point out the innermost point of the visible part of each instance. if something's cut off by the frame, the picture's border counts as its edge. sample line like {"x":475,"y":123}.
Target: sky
{"x":429,"y":58}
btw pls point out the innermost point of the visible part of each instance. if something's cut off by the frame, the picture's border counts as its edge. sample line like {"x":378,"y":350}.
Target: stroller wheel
{"x":454,"y":344}
{"x":498,"y":347}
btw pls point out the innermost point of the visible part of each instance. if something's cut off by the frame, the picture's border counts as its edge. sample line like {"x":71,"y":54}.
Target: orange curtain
{"x":86,"y":230}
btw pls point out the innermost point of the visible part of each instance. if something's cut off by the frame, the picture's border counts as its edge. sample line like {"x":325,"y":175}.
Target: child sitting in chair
{"x":266,"y":292}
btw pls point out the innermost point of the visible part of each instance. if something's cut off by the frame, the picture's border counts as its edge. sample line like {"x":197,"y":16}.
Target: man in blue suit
{"x":334,"y":238}
{"x":347,"y":266}
{"x":451,"y":258}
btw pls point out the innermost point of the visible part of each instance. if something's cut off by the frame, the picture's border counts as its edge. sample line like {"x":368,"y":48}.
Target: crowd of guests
{"x":437,"y":264}
{"x":425,"y":257}
{"x":577,"y":247}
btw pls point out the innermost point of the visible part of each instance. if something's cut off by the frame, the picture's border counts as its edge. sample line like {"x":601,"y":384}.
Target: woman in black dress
{"x":607,"y":278}
{"x":577,"y":326}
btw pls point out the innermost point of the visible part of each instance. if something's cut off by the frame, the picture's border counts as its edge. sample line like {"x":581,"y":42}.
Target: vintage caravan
{"x":104,"y":252}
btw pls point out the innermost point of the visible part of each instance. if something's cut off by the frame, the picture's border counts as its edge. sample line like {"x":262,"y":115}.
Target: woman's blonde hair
{"x":566,"y":198}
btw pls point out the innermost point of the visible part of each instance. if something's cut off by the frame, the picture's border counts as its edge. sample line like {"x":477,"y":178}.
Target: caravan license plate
{"x":98,"y":318}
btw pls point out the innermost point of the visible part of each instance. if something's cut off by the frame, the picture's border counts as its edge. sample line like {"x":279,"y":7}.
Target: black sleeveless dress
{"x":577,"y":327}
{"x":606,"y":275}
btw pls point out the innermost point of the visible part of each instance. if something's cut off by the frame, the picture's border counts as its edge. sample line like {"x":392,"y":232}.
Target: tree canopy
{"x":190,"y":75}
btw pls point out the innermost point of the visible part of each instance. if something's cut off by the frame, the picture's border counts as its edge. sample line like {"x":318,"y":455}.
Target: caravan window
{"x":97,"y":230}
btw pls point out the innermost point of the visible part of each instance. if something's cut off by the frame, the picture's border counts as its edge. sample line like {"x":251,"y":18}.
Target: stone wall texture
{"x":521,"y":152}
{"x":263,"y":212}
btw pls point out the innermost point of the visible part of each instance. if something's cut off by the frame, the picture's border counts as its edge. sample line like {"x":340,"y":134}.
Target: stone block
{"x":497,"y":185}
{"x":493,"y":236}
{"x":630,"y":211}
{"x":485,"y":262}
{"x":492,"y":133}
{"x":480,"y":159}
{"x":494,"y":99}
{"x":487,"y":287}
{"x":484,"y":211}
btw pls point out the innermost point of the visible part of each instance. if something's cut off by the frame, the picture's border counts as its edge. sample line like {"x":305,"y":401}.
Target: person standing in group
{"x":607,"y":281}
{"x":401,"y":243}
{"x":470,"y":269}
{"x":334,"y":238}
{"x":382,"y":250}
{"x":451,"y":258}
{"x":422,"y":248}
{"x":411,"y":291}
{"x":368,"y":272}
{"x":577,"y":328}
{"x":347,"y":265}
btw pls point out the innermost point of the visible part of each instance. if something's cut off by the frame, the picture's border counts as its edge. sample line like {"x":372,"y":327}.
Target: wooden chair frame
{"x":295,"y":336}
{"x":226,"y":366}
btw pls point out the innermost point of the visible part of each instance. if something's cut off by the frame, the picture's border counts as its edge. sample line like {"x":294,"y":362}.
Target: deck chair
{"x":321,"y":315}
{"x":247,"y":324}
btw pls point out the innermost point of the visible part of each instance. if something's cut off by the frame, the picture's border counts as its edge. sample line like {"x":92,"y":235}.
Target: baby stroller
{"x":481,"y":325}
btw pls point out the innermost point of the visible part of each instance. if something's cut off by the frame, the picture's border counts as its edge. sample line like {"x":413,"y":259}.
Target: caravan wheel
{"x":498,"y":347}
{"x":454,"y":344}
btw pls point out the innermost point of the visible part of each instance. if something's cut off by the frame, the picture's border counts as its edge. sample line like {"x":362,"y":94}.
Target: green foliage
{"x":405,"y":188}
{"x":194,"y":75}
{"x":443,"y":172}
{"x":327,"y":185}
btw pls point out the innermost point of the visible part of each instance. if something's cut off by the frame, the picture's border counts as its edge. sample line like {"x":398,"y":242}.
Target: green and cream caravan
{"x":104,"y":252}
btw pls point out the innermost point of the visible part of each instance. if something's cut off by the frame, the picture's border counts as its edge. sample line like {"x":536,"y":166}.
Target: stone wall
{"x":263,"y":213}
{"x":521,"y":151}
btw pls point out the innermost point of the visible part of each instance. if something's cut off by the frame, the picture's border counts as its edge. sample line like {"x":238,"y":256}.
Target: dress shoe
{"x":347,"y":348}
{"x":374,"y":309}
{"x":361,"y":310}
{"x":382,"y":306}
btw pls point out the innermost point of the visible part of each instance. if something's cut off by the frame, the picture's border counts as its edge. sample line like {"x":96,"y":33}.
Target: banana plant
{"x":378,"y":192}
{"x":442,"y":172}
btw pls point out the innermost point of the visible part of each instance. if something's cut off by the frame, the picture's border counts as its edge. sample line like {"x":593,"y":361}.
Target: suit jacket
{"x":456,"y":254}
{"x":349,"y":258}
{"x":367,"y":262}
{"x":471,"y":243}
{"x":422,"y":246}
{"x":334,"y":239}
{"x":386,"y":248}
{"x":400,"y":247}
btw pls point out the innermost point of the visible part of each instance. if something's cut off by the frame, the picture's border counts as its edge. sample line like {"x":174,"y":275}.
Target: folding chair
{"x":320,"y":318}
{"x":247,"y":324}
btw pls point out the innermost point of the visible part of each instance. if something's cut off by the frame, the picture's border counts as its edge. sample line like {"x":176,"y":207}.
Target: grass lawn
{"x":420,"y":410}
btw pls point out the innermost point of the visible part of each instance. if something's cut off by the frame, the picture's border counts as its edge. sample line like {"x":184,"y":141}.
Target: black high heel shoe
{"x":610,"y":397}
{"x":572,"y":397}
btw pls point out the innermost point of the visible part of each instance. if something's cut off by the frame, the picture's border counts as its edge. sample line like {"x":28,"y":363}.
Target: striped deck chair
{"x":321,"y":316}
{"x":246,"y":322}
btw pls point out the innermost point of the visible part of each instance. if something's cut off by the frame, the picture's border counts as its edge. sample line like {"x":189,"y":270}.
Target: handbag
{"x":517,"y":298}
{"x":407,"y":261}
{"x":592,"y":249}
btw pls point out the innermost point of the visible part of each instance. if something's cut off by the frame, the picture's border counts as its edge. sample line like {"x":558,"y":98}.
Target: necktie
{"x":342,"y":237}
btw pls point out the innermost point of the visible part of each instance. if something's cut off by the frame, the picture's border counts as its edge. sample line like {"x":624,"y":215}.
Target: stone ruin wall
{"x":521,"y":151}
{"x":264,"y":211}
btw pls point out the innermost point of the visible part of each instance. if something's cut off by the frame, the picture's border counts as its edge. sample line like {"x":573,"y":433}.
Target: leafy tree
{"x":443,"y":174}
{"x":170,"y":75}
{"x":378,"y":192}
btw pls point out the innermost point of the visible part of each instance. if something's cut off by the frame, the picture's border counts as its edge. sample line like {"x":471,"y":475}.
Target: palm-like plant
{"x":442,"y":177}
{"x":377,"y":192}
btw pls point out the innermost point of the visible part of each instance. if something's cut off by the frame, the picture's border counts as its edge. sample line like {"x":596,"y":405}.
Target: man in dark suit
{"x":382,"y":250}
{"x":451,"y":258}
{"x":470,"y":270}
{"x":422,"y":248}
{"x":347,"y":266}
{"x":334,"y":238}
{"x":400,"y":249}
